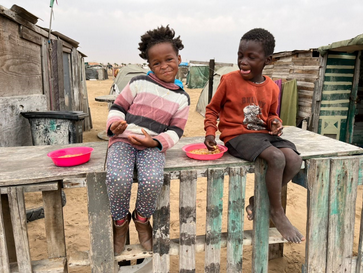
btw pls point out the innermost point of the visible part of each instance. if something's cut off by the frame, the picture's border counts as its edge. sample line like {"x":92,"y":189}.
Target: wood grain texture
{"x":236,"y":205}
{"x":213,"y":220}
{"x":318,"y":172}
{"x":100,"y":224}
{"x":4,"y":256}
{"x":161,"y":229}
{"x":187,"y":220}
{"x":18,"y":220}
{"x":342,"y":200}
{"x":54,"y":224}
{"x":261,"y":220}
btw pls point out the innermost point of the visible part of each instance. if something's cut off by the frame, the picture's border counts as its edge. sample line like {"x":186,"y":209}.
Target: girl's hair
{"x":157,"y":36}
{"x":264,"y":37}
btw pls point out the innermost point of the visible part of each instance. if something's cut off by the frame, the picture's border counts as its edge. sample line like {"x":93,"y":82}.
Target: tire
{"x":38,"y":213}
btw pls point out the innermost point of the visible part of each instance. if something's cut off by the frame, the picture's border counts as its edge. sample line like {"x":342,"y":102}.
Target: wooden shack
{"x":40,"y":70}
{"x":330,"y":87}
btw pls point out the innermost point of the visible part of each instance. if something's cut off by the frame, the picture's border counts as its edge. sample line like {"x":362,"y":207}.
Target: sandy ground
{"x":75,"y":211}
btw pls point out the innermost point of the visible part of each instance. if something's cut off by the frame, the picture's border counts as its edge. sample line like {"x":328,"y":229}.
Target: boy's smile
{"x":164,"y":61}
{"x":251,"y":60}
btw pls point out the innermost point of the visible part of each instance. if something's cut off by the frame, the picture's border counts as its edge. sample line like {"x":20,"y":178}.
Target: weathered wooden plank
{"x":54,"y":225}
{"x":342,"y":200}
{"x":261,"y":220}
{"x":359,"y":264}
{"x":30,"y":35}
{"x":317,"y":95}
{"x":20,"y":66}
{"x":76,"y":80}
{"x":36,"y":187}
{"x":187,"y":220}
{"x":360,"y":172}
{"x":161,"y":229}
{"x":136,"y":251}
{"x":8,"y":228}
{"x":214,"y":220}
{"x":4,"y":257}
{"x":236,"y":204}
{"x":100,"y":226}
{"x":318,"y":171}
{"x":58,"y":265}
{"x":18,"y":220}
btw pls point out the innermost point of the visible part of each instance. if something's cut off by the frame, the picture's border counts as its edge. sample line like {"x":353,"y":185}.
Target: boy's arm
{"x":274,"y":123}
{"x":212,"y":114}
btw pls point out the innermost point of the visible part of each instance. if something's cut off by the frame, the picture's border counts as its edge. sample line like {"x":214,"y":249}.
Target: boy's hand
{"x":276,"y":128}
{"x":118,"y":127}
{"x":147,"y":141}
{"x":210,"y":142}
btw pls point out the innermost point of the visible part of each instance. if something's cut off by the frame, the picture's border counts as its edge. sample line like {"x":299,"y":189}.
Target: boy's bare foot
{"x":283,"y":225}
{"x":250,"y":208}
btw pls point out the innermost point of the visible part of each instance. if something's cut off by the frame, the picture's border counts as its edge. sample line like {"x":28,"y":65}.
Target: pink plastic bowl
{"x":83,"y":154}
{"x":190,"y":147}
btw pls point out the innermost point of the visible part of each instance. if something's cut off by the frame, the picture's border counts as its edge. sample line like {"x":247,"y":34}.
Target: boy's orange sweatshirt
{"x":242,"y":107}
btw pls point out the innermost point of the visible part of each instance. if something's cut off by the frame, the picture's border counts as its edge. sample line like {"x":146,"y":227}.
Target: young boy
{"x":246,"y":104}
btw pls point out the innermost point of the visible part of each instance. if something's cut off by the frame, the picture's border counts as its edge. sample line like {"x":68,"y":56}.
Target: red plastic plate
{"x":76,"y":156}
{"x":190,"y":147}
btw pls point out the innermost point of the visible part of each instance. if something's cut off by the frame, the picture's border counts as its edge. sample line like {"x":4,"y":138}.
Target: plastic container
{"x":190,"y":147}
{"x":71,"y":156}
{"x":56,"y":127}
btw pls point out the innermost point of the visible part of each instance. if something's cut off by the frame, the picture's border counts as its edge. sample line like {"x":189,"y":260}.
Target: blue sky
{"x":109,"y":31}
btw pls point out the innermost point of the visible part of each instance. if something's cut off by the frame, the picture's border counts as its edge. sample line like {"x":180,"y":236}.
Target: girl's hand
{"x":210,"y":142}
{"x":118,"y":127}
{"x":147,"y":141}
{"x":276,"y":128}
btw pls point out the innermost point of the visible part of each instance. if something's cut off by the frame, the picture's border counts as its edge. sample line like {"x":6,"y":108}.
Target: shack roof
{"x":350,"y":45}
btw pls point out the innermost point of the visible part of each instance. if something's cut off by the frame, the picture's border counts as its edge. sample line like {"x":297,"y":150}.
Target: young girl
{"x":146,"y":119}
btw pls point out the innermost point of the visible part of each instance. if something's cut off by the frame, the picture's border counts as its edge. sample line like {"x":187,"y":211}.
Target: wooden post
{"x":213,"y":225}
{"x":318,"y":171}
{"x":100,"y":225}
{"x":261,"y":220}
{"x":54,"y":225}
{"x":187,"y":220}
{"x":18,"y":219}
{"x":236,"y":204}
{"x":4,"y":257}
{"x":342,"y":201}
{"x":210,"y":83}
{"x":161,"y":227}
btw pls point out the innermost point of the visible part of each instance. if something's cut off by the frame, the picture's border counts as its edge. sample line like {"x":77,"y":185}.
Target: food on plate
{"x":65,"y":156}
{"x":205,"y":151}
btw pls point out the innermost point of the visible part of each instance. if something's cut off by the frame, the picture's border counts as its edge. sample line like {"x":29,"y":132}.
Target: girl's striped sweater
{"x":151,"y":104}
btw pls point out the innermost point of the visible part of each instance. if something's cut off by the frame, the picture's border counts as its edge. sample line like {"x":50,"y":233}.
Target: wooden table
{"x":109,"y":99}
{"x":26,"y":166}
{"x":30,"y":164}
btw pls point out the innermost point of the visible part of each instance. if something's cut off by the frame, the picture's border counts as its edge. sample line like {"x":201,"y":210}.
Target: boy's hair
{"x":264,"y":37}
{"x":157,"y":36}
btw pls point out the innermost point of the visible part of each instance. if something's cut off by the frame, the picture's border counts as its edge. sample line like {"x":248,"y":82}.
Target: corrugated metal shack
{"x":330,"y":87}
{"x":36,"y":74}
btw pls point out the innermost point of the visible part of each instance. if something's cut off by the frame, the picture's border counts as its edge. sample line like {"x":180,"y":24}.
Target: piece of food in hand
{"x":205,"y":151}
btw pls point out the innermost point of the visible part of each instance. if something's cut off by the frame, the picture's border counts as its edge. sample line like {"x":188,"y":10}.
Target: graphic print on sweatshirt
{"x":252,"y":118}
